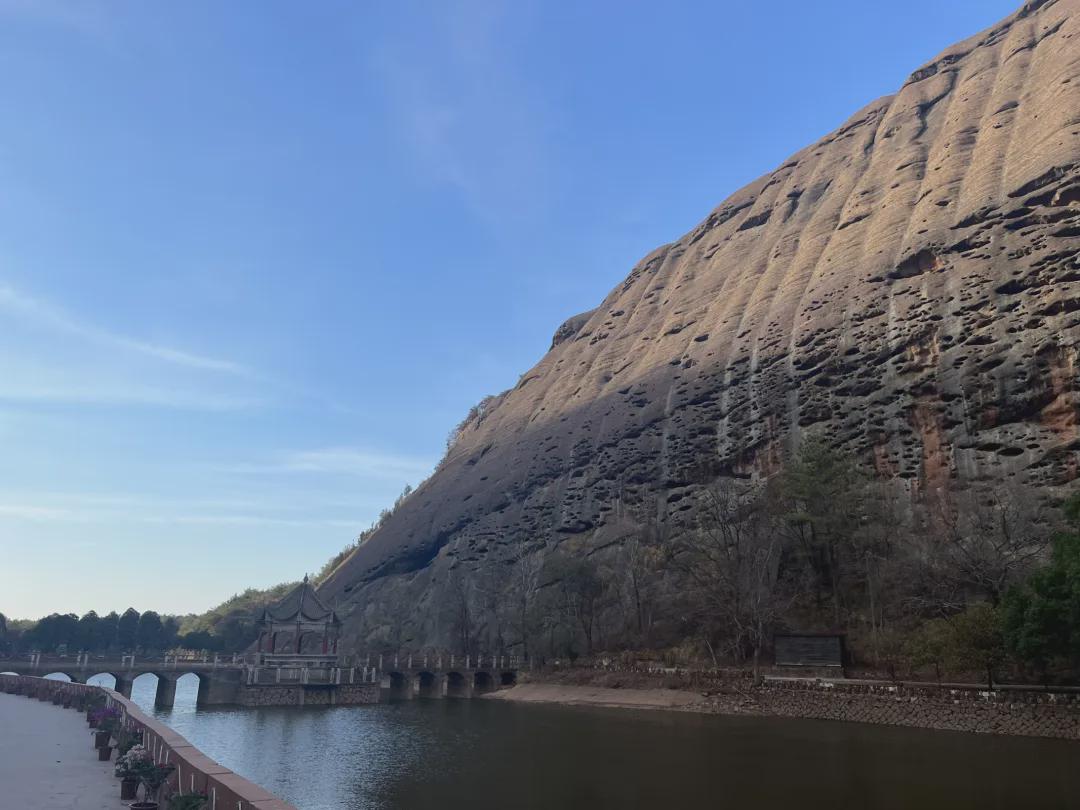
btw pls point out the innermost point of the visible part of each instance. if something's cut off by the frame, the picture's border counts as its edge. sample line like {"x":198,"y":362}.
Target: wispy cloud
{"x":349,"y":461}
{"x":81,"y":508}
{"x":466,"y":111}
{"x":52,"y":356}
{"x":43,"y":314}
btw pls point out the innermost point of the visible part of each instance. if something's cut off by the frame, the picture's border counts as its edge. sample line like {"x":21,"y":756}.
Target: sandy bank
{"x":599,"y":696}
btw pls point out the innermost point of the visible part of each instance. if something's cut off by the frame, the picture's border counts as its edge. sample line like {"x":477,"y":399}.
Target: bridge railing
{"x":194,"y":771}
{"x":437,"y":661}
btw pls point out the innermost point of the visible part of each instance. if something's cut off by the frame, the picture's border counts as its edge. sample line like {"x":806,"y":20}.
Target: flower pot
{"x":103,"y":753}
{"x":129,"y":789}
{"x":101,"y":739}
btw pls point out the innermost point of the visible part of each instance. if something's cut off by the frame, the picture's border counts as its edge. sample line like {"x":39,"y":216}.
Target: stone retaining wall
{"x":195,"y":772}
{"x":1027,"y":713}
{"x":299,"y":695}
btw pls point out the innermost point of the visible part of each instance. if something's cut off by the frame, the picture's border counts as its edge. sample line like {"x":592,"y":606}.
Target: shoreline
{"x":573,"y":695}
{"x":1009,"y":713}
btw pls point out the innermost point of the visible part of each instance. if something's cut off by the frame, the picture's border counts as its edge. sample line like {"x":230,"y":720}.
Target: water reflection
{"x":481,"y":754}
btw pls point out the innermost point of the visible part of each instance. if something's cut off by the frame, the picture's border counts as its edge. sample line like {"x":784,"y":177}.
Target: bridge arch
{"x":427,"y":685}
{"x":482,"y":681}
{"x":508,"y":678}
{"x":456,"y":685}
{"x":60,"y":675}
{"x":399,"y":685}
{"x":103,"y":679}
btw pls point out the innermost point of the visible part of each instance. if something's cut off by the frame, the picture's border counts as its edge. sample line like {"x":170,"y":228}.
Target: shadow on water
{"x":480,"y":754}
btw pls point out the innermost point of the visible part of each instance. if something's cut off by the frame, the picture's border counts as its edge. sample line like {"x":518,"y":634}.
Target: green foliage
{"x":1042,"y":615}
{"x":930,"y":645}
{"x":229,"y":627}
{"x":126,"y":628}
{"x":977,"y":639}
{"x":149,"y":632}
{"x":189,"y":801}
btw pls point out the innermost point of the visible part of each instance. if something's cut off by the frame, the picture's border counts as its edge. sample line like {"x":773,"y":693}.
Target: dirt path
{"x":47,"y":760}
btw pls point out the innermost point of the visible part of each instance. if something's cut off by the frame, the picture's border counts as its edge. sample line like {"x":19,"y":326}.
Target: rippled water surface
{"x":480,"y":754}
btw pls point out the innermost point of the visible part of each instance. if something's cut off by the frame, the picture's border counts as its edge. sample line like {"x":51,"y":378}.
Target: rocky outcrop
{"x":907,"y":287}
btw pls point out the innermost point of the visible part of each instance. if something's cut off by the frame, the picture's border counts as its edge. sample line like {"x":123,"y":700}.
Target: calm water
{"x":484,"y":754}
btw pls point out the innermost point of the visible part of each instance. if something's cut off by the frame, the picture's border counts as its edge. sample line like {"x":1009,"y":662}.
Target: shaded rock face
{"x":907,"y":287}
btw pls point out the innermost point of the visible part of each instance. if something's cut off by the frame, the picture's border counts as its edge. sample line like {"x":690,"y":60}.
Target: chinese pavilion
{"x":300,"y":624}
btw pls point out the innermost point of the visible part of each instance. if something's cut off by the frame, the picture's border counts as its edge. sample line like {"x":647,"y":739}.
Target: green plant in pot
{"x":105,"y":720}
{"x":153,"y":778}
{"x":189,"y":801}
{"x":129,"y":768}
{"x":126,"y":739}
{"x":92,"y":706}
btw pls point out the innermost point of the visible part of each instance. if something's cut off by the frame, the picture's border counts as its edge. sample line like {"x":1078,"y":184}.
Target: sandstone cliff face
{"x":908,"y":287}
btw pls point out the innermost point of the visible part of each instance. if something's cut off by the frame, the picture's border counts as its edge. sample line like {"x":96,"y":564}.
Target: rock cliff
{"x":907,"y":287}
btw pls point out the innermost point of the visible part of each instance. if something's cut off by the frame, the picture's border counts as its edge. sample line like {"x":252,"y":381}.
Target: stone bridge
{"x":219,"y":677}
{"x":261,"y":679}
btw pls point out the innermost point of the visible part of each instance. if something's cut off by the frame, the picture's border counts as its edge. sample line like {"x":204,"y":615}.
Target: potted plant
{"x":129,"y":767}
{"x":105,"y":721}
{"x":126,"y":739}
{"x":153,"y":778}
{"x":189,"y":801}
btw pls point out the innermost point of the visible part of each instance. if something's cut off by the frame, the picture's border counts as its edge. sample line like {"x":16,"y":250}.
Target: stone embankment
{"x":1029,"y":713}
{"x":1021,"y":711}
{"x":194,"y":771}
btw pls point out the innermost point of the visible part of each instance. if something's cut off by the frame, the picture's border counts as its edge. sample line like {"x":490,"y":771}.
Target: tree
{"x":977,"y":639}
{"x":105,"y":633}
{"x":989,"y":541}
{"x":579,"y":589}
{"x":526,"y":565}
{"x":824,"y":495}
{"x":1041,"y":617}
{"x":930,"y":645}
{"x":731,"y":562}
{"x":148,"y":632}
{"x":126,"y":629}
{"x":88,"y":630}
{"x":457,"y":601}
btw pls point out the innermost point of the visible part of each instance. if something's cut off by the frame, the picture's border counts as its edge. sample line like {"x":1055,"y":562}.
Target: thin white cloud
{"x":349,"y":461}
{"x":45,"y":315}
{"x":80,"y":508}
{"x":469,"y":115}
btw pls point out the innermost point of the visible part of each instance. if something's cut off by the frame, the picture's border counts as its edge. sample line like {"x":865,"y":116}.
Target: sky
{"x":258,"y":258}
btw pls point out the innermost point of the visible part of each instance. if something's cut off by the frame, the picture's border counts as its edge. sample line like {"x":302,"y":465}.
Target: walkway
{"x":47,"y":760}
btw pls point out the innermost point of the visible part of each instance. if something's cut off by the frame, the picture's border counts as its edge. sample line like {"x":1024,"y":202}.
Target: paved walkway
{"x":48,"y":762}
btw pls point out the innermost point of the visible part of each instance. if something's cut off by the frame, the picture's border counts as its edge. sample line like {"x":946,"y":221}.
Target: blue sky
{"x":257,"y":258}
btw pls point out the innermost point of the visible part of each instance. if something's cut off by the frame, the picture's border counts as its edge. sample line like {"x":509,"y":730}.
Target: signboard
{"x":809,"y":651}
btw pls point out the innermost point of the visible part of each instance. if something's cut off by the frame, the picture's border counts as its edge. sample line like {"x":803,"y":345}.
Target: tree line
{"x":146,"y":633}
{"x":981,"y":581}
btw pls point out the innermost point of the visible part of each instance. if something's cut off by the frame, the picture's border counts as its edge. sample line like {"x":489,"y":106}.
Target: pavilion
{"x":300,"y":624}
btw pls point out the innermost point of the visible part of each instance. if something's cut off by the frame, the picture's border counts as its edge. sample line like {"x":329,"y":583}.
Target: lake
{"x":478,"y":754}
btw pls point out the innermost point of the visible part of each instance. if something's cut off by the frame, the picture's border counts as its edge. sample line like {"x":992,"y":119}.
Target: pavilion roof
{"x":300,"y":604}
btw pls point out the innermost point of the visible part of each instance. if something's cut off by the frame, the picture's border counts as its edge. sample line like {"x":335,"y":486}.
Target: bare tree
{"x":457,"y":599}
{"x":525,"y":565}
{"x":732,"y":562}
{"x":985,"y":541}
